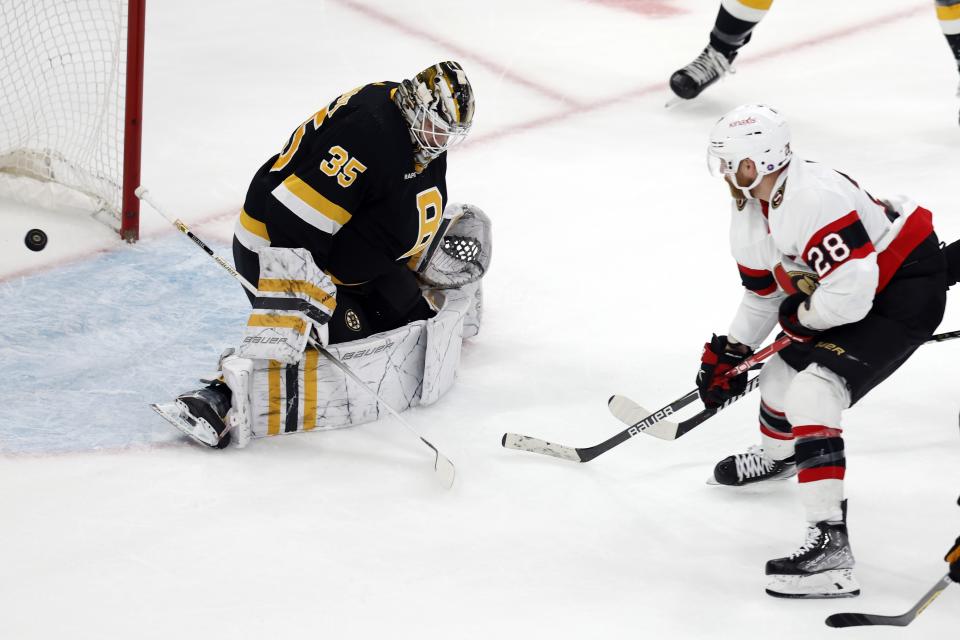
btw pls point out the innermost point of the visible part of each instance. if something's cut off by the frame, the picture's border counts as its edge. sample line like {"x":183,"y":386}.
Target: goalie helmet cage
{"x":71,"y":99}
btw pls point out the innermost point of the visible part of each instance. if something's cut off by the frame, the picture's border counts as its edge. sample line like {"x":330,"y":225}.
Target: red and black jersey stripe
{"x":760,"y":281}
{"x":915,"y":230}
{"x":842,"y":240}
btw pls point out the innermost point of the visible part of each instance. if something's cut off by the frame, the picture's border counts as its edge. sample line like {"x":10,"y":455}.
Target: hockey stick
{"x":586,"y":454}
{"x":869,"y":619}
{"x":441,"y":464}
{"x":629,"y":412}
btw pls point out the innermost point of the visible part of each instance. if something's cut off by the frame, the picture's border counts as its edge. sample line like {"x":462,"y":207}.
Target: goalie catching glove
{"x":462,"y":250}
{"x":720,"y":355}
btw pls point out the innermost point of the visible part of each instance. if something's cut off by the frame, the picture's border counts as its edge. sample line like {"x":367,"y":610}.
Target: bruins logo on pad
{"x":351,"y":320}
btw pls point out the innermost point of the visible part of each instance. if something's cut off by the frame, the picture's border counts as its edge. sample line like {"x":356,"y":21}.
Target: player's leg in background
{"x":774,"y":458}
{"x":948,"y":13}
{"x":731,"y":30}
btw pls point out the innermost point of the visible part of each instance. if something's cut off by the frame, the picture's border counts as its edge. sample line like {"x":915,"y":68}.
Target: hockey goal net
{"x":70,"y":104}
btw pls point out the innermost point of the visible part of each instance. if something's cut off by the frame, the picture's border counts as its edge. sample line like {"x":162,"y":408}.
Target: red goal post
{"x":71,"y":105}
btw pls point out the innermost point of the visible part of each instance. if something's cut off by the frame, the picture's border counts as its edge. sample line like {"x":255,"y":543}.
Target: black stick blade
{"x":865,"y":619}
{"x":840,"y":620}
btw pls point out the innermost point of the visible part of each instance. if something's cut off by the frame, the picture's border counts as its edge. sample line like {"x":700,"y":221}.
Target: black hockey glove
{"x":791,"y":323}
{"x":719,"y":357}
{"x":953,"y":557}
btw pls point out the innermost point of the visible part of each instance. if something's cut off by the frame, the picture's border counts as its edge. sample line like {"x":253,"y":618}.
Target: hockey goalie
{"x":347,"y":235}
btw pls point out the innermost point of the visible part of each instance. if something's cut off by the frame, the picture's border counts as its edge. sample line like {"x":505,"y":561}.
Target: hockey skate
{"x":752,"y":466}
{"x":200,"y":414}
{"x":821,"y":568}
{"x":708,"y":67}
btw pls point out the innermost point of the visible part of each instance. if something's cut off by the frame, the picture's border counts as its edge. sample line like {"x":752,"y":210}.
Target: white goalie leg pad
{"x":411,"y":365}
{"x":294,"y":296}
{"x":444,"y":341}
{"x":238,"y":374}
{"x":775,"y":379}
{"x":315,"y":394}
{"x":471,"y":322}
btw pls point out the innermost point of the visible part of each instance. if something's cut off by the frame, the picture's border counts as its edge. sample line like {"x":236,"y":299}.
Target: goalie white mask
{"x":438,"y":107}
{"x":752,"y":131}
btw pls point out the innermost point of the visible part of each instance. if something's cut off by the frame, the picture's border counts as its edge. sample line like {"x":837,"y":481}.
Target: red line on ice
{"x":572,"y":107}
{"x":483,"y":61}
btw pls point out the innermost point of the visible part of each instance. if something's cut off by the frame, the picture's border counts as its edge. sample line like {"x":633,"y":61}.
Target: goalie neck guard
{"x":751,"y":131}
{"x":438,"y":106}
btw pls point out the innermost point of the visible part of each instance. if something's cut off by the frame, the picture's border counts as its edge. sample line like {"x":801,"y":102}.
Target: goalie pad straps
{"x":463,"y":254}
{"x":294,"y":296}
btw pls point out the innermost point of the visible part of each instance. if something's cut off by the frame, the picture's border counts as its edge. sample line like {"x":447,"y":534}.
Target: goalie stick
{"x":442,"y":465}
{"x":869,"y":619}
{"x":629,"y":412}
{"x":648,"y":420}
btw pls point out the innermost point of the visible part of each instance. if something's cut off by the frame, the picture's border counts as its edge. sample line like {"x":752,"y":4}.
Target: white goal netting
{"x":62,"y":92}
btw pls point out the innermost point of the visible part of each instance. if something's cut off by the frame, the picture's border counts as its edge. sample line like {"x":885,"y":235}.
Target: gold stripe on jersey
{"x":255,"y":227}
{"x":340,"y":283}
{"x":251,"y":241}
{"x":310,"y":205}
{"x":273,"y":393}
{"x":747,"y":10}
{"x":318,"y":295}
{"x":949,"y":19}
{"x":759,"y":5}
{"x":948,"y":13}
{"x":275,"y":320}
{"x":310,"y":362}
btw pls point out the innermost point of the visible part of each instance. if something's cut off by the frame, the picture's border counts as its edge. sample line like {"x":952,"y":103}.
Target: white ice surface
{"x":610,"y":270}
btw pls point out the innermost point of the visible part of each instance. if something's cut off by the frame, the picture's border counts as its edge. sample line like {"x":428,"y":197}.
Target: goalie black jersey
{"x":346,"y":188}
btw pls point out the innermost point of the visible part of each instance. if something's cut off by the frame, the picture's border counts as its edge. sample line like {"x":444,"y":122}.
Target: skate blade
{"x":836,"y":583}
{"x":674,"y":101}
{"x":197,"y":430}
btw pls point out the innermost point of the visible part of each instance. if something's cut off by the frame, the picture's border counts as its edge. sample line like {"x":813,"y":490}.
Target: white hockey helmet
{"x":751,"y":131}
{"x":438,"y":106}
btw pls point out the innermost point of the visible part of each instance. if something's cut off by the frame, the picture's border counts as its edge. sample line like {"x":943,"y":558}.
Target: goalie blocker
{"x":272,"y":385}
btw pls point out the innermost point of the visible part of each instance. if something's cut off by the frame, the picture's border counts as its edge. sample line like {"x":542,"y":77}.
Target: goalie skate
{"x":177,"y":415}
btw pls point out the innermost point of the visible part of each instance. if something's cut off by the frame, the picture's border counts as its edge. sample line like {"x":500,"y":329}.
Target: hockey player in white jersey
{"x":857,"y":283}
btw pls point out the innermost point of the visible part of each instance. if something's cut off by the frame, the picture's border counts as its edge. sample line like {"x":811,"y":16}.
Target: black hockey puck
{"x":36,"y":240}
